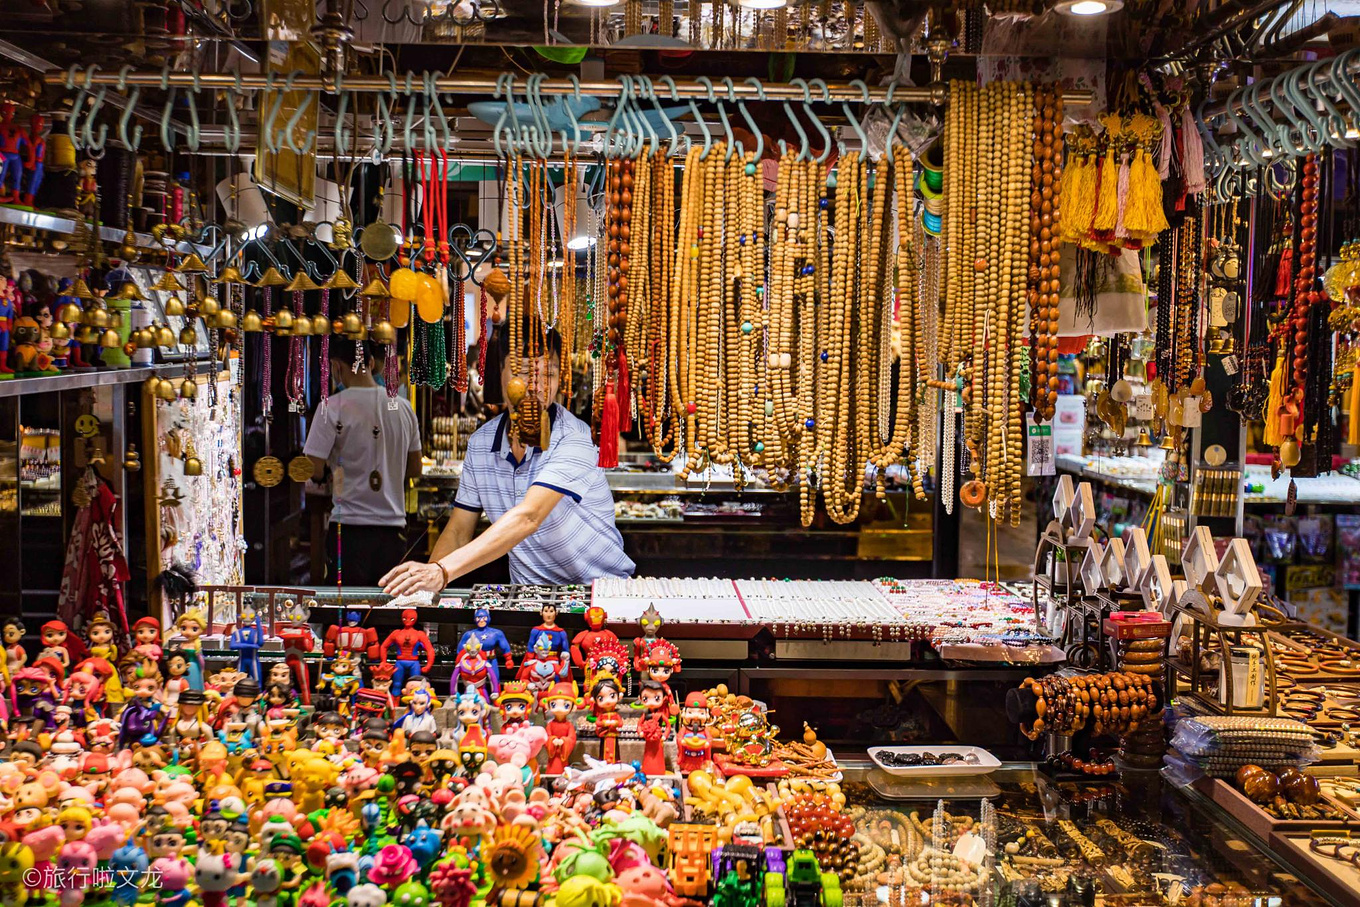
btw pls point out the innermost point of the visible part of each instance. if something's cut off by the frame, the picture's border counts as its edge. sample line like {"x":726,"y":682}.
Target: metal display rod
{"x":420,"y":83}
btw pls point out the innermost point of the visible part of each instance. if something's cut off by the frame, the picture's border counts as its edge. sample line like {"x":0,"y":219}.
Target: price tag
{"x":392,"y":404}
{"x":1142,"y":407}
{"x":1040,"y":449}
{"x":234,"y":367}
{"x":1191,"y":416}
{"x":1230,"y":365}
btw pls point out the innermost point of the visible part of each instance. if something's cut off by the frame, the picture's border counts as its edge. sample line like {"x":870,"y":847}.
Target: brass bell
{"x":229,"y":275}
{"x":129,"y":292}
{"x":174,"y":307}
{"x":168,"y":283}
{"x":128,"y":250}
{"x":81,"y":290}
{"x":165,"y":338}
{"x":301,"y":282}
{"x":383,"y":332}
{"x":271,"y":278}
{"x":208,"y":306}
{"x":226,"y":319}
{"x":110,"y":339}
{"x":188,"y":389}
{"x":144,"y":339}
{"x":115,"y":319}
{"x":188,"y":336}
{"x":87,"y":334}
{"x":192,"y":264}
{"x":283,"y":320}
{"x":166,"y":390}
{"x":192,"y":467}
{"x":1144,"y":439}
{"x":302,"y":325}
{"x":375,"y":289}
{"x":251,"y":322}
{"x":340,"y":280}
{"x":59,"y":330}
{"x":352,"y":323}
{"x":97,"y":318}
{"x":132,"y":462}
{"x":1167,"y":442}
{"x":70,"y":313}
{"x":1290,"y":453}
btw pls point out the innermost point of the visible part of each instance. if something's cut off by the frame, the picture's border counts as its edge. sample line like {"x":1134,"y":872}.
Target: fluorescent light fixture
{"x":1088,"y":7}
{"x":241,"y":197}
{"x":586,"y":218}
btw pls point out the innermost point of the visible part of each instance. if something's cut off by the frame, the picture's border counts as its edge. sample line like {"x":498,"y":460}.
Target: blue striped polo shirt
{"x":578,"y":542}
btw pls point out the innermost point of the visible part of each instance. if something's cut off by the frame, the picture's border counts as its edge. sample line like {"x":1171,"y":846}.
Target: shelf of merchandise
{"x":1088,"y":468}
{"x":1334,"y":490}
{"x":640,"y":483}
{"x":67,"y":381}
{"x":56,"y":223}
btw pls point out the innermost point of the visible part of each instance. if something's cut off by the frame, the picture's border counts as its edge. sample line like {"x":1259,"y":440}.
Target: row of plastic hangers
{"x":1313,"y":101}
{"x":523,"y":123}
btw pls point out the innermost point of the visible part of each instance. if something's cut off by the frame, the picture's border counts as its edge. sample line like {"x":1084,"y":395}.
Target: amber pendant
{"x":375,"y":480}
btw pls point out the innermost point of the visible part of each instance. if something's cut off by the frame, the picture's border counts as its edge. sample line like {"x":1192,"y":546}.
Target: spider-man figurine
{"x":409,"y":640}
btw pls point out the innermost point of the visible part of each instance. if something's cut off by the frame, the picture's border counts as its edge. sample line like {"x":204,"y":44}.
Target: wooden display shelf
{"x":1263,"y":824}
{"x":1208,"y":634}
{"x":1339,"y":879}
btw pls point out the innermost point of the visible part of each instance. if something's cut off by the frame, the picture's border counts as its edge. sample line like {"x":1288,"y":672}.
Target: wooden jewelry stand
{"x":1208,"y":634}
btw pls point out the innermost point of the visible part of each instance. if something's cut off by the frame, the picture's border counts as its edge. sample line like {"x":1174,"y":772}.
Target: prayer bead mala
{"x":1046,"y":174}
{"x":512,"y":239}
{"x":567,"y":323}
{"x":1296,"y":326}
{"x":661,"y":419}
{"x":682,"y":341}
{"x":613,"y":415}
{"x":914,"y":368}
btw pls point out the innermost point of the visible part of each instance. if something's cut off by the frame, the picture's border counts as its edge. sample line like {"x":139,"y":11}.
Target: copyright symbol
{"x":32,"y":878}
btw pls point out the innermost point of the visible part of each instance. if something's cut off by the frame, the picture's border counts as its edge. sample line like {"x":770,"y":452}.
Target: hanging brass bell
{"x":283,"y":320}
{"x":115,"y":319}
{"x":271,"y":278}
{"x":383,"y":332}
{"x":225,"y":319}
{"x":1290,"y":453}
{"x":192,"y":264}
{"x":208,"y":306}
{"x":1144,"y":439}
{"x":340,"y":280}
{"x":110,"y":339}
{"x":132,"y":462}
{"x":192,"y":467}
{"x":1167,"y":442}
{"x":188,"y":336}
{"x":251,"y":322}
{"x":302,"y":282}
{"x":97,"y":318}
{"x":129,"y":292}
{"x":165,"y":338}
{"x":375,"y":289}
{"x":174,"y":307}
{"x":168,"y":283}
{"x":166,"y":390}
{"x":144,"y":339}
{"x":59,"y":330}
{"x":188,"y":389}
{"x":302,"y":325}
{"x":87,"y":334}
{"x":70,"y":313}
{"x":229,"y":275}
{"x":352,"y":324}
{"x":81,"y":290}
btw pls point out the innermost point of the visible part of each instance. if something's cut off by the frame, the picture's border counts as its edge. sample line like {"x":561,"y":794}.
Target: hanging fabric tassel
{"x":1284,"y":273}
{"x":609,"y":427}
{"x":1107,"y":195}
{"x":1168,"y":142}
{"x":1192,"y":153}
{"x":1083,"y":206}
{"x":1121,"y":230}
{"x":625,"y":394}
{"x":1271,"y":436}
{"x":1146,"y":218}
{"x":1067,"y":192}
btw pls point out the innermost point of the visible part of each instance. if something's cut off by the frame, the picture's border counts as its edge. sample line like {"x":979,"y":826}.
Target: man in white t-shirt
{"x":371,"y":443}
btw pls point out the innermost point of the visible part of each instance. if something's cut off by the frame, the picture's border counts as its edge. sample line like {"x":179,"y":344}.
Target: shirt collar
{"x":504,"y":420}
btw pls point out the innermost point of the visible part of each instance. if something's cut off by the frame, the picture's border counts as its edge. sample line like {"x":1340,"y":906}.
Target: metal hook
{"x":750,"y":121}
{"x":1340,"y":76}
{"x":1251,"y":146}
{"x":1336,"y":120}
{"x":191,"y":100}
{"x":891,"y":142}
{"x":1254,"y":111}
{"x":817,"y":121}
{"x":432,"y":89}
{"x":408,"y":123}
{"x":571,"y":114}
{"x":653,"y":139}
{"x":733,"y":146}
{"x":270,"y":137}
{"x":1214,"y":155}
{"x":798,"y":128}
{"x":72,"y":125}
{"x":854,"y":120}
{"x":540,"y":110}
{"x":1296,"y":135}
{"x":341,"y":133}
{"x":87,"y":134}
{"x":135,"y":142}
{"x":699,"y":118}
{"x":675,"y":96}
{"x":612,"y":128}
{"x":231,"y":133}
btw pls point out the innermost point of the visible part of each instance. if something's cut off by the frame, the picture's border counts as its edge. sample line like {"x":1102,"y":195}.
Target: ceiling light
{"x":761,"y":4}
{"x":1088,"y":7}
{"x":599,"y":4}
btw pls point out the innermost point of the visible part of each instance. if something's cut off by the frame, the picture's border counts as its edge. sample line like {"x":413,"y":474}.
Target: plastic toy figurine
{"x":542,"y":666}
{"x":189,"y":728}
{"x":142,"y":718}
{"x":27,"y":335}
{"x":418,"y":716}
{"x":35,"y":695}
{"x":516,"y":704}
{"x":241,"y":705}
{"x":556,"y":636}
{"x":191,"y":626}
{"x":8,"y":312}
{"x":608,"y":658}
{"x":583,"y":643}
{"x":246,"y":641}
{"x":296,"y":633}
{"x":146,"y":639}
{"x":409,"y":640}
{"x":351,"y":637}
{"x":87,"y":189}
{"x":471,"y":709}
{"x":695,"y":744}
{"x":604,"y":706}
{"x":341,"y":682}
{"x":654,"y":726}
{"x":559,"y":703}
{"x":100,"y":634}
{"x":473,"y":669}
{"x":472,"y":750}
{"x":662,"y":662}
{"x":11,"y":163}
{"x":493,"y":642}
{"x":55,"y":635}
{"x":176,"y":681}
{"x":650,"y":622}
{"x":35,"y":151}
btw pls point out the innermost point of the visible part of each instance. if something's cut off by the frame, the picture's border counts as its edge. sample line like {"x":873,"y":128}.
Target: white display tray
{"x":986,"y":764}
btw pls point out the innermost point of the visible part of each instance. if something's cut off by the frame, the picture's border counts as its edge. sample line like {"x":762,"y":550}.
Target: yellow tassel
{"x":1066,"y":187}
{"x":1353,"y":431}
{"x":1271,"y":436}
{"x":1107,"y":206}
{"x":1152,"y":199}
{"x":1083,"y":206}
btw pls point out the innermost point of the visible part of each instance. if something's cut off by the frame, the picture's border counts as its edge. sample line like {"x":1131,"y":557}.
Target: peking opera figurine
{"x":409,"y":640}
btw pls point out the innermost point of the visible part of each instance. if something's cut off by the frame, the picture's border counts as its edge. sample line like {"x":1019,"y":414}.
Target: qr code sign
{"x":1039,"y":456}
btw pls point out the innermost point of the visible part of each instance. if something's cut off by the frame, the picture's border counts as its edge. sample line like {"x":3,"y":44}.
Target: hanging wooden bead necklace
{"x":1045,"y":175}
{"x":567,"y":323}
{"x":1296,"y":326}
{"x":616,"y":389}
{"x":512,"y":242}
{"x":661,"y":421}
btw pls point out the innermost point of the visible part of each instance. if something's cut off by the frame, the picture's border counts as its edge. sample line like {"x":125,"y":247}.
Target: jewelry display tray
{"x":986,"y":764}
{"x":1339,"y":878}
{"x":1262,"y":823}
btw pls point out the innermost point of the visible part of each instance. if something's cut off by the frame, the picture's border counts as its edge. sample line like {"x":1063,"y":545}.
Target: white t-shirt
{"x":342,"y":435}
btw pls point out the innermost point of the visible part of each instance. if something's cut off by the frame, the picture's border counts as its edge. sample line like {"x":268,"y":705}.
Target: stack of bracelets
{"x":1109,"y":703}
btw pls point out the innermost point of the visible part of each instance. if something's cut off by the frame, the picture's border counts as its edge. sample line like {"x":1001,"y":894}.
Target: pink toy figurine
{"x":216,"y":874}
{"x":175,"y":875}
{"x":75,"y":872}
{"x":394,"y":865}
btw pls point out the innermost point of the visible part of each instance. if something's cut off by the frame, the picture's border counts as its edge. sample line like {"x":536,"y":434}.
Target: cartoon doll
{"x":191,"y":627}
{"x":516,"y":704}
{"x":100,"y":632}
{"x":604,"y":706}
{"x":559,"y":703}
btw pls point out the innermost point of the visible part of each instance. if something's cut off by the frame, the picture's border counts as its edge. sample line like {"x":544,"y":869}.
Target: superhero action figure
{"x":409,"y":640}
{"x":474,"y":670}
{"x":360,"y":642}
{"x":556,"y":636}
{"x":35,"y":152}
{"x":542,"y":666}
{"x":246,"y":641}
{"x":11,"y":161}
{"x":296,"y":633}
{"x":583,"y":643}
{"x":493,"y":643}
{"x":650,"y":621}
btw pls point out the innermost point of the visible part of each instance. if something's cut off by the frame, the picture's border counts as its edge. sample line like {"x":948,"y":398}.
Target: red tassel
{"x":1284,"y":274}
{"x":609,"y":428}
{"x":625,"y":394}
